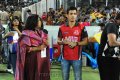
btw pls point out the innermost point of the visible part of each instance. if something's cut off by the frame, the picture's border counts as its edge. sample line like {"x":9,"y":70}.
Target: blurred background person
{"x":109,"y":51}
{"x":12,"y":36}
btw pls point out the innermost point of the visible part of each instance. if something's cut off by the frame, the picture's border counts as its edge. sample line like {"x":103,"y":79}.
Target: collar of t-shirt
{"x":67,"y":24}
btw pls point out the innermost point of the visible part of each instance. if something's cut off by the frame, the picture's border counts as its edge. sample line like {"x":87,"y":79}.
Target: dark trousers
{"x":109,"y":68}
{"x":13,"y":61}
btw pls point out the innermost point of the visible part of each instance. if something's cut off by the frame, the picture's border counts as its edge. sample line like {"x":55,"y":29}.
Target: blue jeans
{"x":76,"y":65}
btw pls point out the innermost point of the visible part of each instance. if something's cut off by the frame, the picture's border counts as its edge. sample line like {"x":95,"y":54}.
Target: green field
{"x":87,"y":73}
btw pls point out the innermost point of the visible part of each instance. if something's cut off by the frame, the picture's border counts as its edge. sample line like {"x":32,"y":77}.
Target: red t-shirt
{"x":74,"y":34}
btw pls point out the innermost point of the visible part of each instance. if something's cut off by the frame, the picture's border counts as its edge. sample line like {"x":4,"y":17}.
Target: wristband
{"x":77,"y":44}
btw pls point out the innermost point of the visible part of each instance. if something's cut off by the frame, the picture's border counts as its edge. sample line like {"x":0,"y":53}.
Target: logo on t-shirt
{"x":71,"y":38}
{"x":65,"y":32}
{"x":76,"y":32}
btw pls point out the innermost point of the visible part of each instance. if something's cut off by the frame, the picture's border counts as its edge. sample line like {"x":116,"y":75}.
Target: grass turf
{"x":87,"y":73}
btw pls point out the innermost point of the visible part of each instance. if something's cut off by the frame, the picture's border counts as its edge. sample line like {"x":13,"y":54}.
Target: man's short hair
{"x":71,"y":8}
{"x":28,"y":10}
{"x":101,"y":24}
{"x":118,"y":16}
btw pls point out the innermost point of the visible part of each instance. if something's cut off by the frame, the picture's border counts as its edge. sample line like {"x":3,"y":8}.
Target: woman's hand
{"x":41,"y":47}
{"x":16,"y":29}
{"x":37,"y":48}
{"x":46,"y":42}
{"x":10,"y":34}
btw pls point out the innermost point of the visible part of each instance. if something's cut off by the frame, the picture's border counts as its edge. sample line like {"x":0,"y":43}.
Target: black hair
{"x":118,"y":16}
{"x":101,"y":24}
{"x":85,"y":19}
{"x":32,"y":22}
{"x":28,"y":10}
{"x":11,"y":23}
{"x":71,"y":8}
{"x":45,"y":31}
{"x":93,"y":20}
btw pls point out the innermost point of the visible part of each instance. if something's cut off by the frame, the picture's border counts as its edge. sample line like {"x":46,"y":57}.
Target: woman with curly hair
{"x":33,"y":58}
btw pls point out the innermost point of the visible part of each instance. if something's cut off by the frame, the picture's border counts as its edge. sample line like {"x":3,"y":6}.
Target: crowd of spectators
{"x":87,"y":15}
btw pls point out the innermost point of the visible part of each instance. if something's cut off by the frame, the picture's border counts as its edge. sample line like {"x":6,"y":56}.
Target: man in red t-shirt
{"x":72,"y":36}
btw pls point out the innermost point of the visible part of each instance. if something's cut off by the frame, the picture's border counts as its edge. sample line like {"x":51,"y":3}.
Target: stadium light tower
{"x":75,"y":4}
{"x":106,"y":2}
{"x":6,"y":1}
{"x":90,"y":2}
